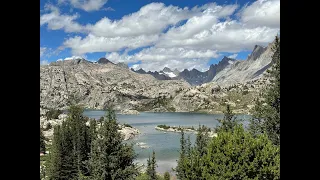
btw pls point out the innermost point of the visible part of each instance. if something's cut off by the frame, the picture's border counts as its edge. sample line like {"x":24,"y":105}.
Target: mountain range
{"x":103,"y":83}
{"x":227,"y":71}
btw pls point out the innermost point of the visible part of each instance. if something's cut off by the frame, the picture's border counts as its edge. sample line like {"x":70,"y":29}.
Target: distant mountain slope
{"x":102,"y":83}
{"x":193,"y":77}
{"x":252,"y":68}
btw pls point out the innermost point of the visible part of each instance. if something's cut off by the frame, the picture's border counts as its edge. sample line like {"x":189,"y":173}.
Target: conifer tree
{"x":181,"y":163}
{"x":151,"y":169}
{"x":55,"y":159}
{"x":42,"y":142}
{"x":80,"y":136}
{"x":70,"y":147}
{"x":202,"y":140}
{"x":228,"y":122}
{"x":110,"y":158}
{"x":239,"y":155}
{"x":69,"y":163}
{"x":266,"y":113}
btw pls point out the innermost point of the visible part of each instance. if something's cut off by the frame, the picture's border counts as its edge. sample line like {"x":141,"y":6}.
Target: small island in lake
{"x":178,"y":129}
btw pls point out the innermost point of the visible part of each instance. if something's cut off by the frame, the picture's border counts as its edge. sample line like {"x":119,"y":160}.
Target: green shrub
{"x":163,"y":126}
{"x":239,"y":155}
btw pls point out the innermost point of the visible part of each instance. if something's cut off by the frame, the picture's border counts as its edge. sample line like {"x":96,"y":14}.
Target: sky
{"x":182,"y":34}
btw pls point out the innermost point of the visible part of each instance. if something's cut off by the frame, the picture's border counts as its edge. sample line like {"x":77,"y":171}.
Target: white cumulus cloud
{"x":55,"y":20}
{"x":233,"y":56}
{"x":93,"y":43}
{"x":262,"y":13}
{"x":150,"y":19}
{"x":172,"y":36}
{"x":158,"y":58}
{"x":86,"y":5}
{"x":227,"y":36}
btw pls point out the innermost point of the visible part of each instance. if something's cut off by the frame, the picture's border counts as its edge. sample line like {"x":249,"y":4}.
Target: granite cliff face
{"x":242,"y":71}
{"x":99,"y":84}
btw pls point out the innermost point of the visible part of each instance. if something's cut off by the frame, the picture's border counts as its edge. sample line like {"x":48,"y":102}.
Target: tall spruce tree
{"x":228,"y":122}
{"x":80,"y":137}
{"x":202,"y":140}
{"x":42,"y":142}
{"x":266,"y":113}
{"x":182,"y":161}
{"x":151,"y":169}
{"x":69,"y":163}
{"x":196,"y":159}
{"x":110,"y":158}
{"x":70,"y":147}
{"x":55,"y":156}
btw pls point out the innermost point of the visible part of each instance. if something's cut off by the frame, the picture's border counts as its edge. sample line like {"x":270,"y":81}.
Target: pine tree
{"x":71,"y":147}
{"x":92,"y":131}
{"x":228,"y":122}
{"x":55,"y":159}
{"x":202,"y":140}
{"x":198,"y":152}
{"x":110,"y":158}
{"x":69,"y":168}
{"x":42,"y":142}
{"x":151,"y":169}
{"x":80,"y":137}
{"x":266,"y":114}
{"x":181,"y":163}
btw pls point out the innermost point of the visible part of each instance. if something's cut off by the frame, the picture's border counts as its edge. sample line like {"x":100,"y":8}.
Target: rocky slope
{"x":127,"y":132}
{"x":194,"y":77}
{"x":158,"y":75}
{"x":250,"y":69}
{"x":99,"y":84}
{"x":212,"y":98}
{"x":103,"y":83}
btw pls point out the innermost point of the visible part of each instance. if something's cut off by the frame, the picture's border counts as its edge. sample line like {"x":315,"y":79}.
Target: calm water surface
{"x":166,"y":145}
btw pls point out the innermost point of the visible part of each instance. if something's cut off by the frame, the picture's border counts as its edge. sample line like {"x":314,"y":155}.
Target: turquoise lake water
{"x":166,"y":145}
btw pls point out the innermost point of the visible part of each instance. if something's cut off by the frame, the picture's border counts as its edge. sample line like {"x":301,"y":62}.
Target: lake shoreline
{"x":190,"y":112}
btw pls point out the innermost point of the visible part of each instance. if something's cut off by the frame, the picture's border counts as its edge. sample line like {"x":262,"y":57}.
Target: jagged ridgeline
{"x":227,"y":72}
{"x":97,"y":84}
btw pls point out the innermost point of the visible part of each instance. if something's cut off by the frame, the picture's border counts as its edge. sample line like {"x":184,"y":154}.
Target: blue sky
{"x":153,"y":34}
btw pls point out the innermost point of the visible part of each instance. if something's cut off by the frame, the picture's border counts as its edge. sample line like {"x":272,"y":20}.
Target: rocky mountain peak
{"x":257,"y":51}
{"x":225,"y":60}
{"x":141,"y":71}
{"x":166,"y":69}
{"x":176,"y":72}
{"x":195,"y":70}
{"x":104,"y":61}
{"x":122,"y":64}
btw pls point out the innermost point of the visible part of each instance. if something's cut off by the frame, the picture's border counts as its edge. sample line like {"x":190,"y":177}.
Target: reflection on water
{"x":166,"y":145}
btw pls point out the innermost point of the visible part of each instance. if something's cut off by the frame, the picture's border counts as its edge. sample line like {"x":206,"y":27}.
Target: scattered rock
{"x":129,"y":111}
{"x":128,"y":132}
